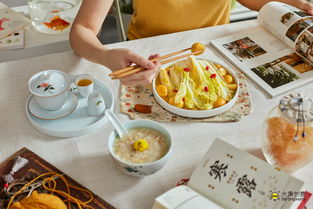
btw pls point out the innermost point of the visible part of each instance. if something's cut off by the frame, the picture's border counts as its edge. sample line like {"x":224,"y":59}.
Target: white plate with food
{"x":196,"y":88}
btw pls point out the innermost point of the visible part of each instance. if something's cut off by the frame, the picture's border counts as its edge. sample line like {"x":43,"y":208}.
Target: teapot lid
{"x":49,"y":83}
{"x":296,"y":107}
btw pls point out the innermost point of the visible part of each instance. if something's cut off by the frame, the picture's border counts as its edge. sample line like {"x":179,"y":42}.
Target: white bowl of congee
{"x":144,"y":151}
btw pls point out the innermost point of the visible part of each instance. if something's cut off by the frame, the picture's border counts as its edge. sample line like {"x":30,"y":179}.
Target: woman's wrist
{"x":107,"y":58}
{"x":101,"y":56}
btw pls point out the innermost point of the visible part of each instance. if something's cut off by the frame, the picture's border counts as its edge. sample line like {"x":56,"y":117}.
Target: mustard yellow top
{"x":156,"y":17}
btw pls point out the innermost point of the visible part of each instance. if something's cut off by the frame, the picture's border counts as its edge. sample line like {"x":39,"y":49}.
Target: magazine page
{"x":291,"y":25}
{"x":284,"y":21}
{"x":236,"y":179}
{"x":266,"y":60}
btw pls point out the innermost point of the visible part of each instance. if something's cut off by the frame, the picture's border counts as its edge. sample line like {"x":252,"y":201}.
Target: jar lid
{"x":49,"y":83}
{"x":297,"y":107}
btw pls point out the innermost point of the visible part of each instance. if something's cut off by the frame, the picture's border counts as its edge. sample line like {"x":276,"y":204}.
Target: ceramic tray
{"x":78,"y":122}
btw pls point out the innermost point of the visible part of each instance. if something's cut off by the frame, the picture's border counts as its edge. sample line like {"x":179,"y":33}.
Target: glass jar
{"x":287,"y":141}
{"x":53,"y":16}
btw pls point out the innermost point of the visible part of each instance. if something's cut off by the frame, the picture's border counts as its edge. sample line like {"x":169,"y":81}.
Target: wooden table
{"x":87,"y":159}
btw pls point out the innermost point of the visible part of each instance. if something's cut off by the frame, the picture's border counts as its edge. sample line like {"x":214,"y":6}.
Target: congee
{"x":141,"y":145}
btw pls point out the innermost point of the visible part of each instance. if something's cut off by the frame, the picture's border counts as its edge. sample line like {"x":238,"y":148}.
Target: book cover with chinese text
{"x":229,"y":178}
{"x":235,"y":179}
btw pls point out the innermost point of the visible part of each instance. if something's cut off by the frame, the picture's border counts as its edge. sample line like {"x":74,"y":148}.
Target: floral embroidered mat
{"x":132,"y":95}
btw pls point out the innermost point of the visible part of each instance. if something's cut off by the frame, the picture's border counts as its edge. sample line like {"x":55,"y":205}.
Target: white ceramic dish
{"x":50,"y":88}
{"x":196,"y":113}
{"x":78,"y":122}
{"x":37,"y":111}
{"x":144,"y":169}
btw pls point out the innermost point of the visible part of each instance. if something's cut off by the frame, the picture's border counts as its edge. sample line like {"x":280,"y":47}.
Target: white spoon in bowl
{"x":116,"y":123}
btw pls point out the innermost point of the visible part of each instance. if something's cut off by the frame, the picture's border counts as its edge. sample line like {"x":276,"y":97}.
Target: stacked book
{"x":12,"y":26}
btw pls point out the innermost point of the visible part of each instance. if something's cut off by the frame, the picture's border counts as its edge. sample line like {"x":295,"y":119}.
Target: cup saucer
{"x":67,"y":108}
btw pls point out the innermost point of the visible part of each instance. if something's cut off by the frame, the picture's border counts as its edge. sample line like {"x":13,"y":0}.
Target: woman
{"x":151,"y":17}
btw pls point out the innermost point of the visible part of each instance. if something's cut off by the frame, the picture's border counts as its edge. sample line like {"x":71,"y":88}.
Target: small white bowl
{"x":196,"y":113}
{"x":144,"y":169}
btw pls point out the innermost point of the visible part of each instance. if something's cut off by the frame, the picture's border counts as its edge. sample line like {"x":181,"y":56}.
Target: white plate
{"x":78,"y":122}
{"x":196,"y":113}
{"x":37,"y":111}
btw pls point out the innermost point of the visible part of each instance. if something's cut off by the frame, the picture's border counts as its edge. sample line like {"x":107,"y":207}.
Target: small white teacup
{"x":84,"y":84}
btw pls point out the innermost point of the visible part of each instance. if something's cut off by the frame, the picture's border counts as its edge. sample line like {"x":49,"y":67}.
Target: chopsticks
{"x":152,"y":60}
{"x":127,"y":72}
{"x":196,"y":49}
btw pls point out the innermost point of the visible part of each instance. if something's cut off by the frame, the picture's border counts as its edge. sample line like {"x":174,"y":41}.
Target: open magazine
{"x":229,"y":178}
{"x":277,"y":54}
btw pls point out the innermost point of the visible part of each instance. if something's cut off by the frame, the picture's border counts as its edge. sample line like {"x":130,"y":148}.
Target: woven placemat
{"x":131,"y":95}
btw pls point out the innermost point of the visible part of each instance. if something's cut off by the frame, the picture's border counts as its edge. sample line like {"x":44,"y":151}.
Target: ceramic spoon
{"x":121,"y":130}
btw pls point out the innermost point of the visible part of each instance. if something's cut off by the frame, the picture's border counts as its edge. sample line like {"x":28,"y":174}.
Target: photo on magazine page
{"x":302,"y":13}
{"x":292,"y":16}
{"x":304,"y":44}
{"x":287,"y":18}
{"x":244,"y":49}
{"x":282,"y":70}
{"x":296,"y":28}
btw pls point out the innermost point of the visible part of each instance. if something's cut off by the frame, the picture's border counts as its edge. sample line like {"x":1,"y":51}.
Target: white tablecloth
{"x":87,"y":159}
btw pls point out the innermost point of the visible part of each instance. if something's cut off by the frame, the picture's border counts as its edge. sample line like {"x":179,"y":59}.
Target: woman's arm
{"x":258,"y":4}
{"x":87,"y":24}
{"x":84,"y":41}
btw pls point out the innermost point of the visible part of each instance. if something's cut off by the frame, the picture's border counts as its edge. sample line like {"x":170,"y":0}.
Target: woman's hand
{"x":120,"y":58}
{"x":306,"y":6}
{"x":300,"y":4}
